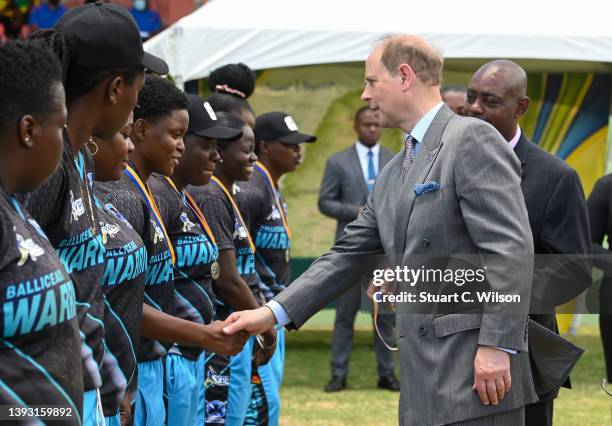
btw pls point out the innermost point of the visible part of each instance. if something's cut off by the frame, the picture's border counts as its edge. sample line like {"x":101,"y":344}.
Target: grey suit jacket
{"x":478,"y":210}
{"x":344,"y":191}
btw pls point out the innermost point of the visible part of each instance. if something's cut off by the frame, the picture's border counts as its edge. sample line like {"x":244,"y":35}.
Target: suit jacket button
{"x":423,"y":331}
{"x":425,"y":242}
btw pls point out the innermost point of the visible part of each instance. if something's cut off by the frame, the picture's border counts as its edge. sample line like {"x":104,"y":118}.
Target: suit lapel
{"x":356,"y":166}
{"x":428,"y":152}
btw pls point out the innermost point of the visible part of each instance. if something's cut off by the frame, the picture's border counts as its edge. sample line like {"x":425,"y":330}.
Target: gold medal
{"x":287,"y":256}
{"x":215,"y":270}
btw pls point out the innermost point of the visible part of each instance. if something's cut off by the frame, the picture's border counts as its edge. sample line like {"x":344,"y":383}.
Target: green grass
{"x":307,"y":371}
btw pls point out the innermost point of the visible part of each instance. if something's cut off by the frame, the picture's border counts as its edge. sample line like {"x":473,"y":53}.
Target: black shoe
{"x":336,"y":384}
{"x":389,"y":382}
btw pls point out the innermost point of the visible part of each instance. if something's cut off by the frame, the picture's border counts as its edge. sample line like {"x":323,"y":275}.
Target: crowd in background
{"x":19,"y":18}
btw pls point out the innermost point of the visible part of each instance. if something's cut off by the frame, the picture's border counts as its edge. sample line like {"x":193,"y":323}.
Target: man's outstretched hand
{"x":256,"y":321}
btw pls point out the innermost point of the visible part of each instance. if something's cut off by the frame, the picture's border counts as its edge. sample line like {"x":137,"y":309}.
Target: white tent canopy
{"x":280,"y":33}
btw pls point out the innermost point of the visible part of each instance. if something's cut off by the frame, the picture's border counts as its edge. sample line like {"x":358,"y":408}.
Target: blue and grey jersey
{"x":159,"y":279}
{"x":123,"y":284}
{"x":63,"y":206}
{"x":195,"y":253}
{"x":40,"y":341}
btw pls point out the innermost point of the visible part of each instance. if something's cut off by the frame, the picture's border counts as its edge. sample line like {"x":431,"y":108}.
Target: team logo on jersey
{"x":187,"y":224}
{"x":77,"y":207}
{"x":215,"y":411}
{"x":108,"y":230}
{"x":27,"y":248}
{"x":117,"y":214}
{"x":275,"y":214}
{"x":239,"y":231}
{"x":159,"y":233}
{"x":214,"y":379}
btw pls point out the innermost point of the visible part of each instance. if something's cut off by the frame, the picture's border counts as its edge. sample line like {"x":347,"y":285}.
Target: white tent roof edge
{"x":279,"y":33}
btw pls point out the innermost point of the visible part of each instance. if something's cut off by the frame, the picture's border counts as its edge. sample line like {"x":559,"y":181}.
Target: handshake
{"x":228,"y":337}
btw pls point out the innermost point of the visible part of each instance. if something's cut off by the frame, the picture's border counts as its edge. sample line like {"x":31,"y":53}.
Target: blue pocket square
{"x":429,"y":186}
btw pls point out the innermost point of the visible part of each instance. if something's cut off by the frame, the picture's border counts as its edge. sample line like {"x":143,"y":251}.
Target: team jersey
{"x":63,"y":206}
{"x":195,"y":253}
{"x":230,"y":233}
{"x":40,"y":345}
{"x":123,"y":284}
{"x":261,"y":204}
{"x":134,"y":206}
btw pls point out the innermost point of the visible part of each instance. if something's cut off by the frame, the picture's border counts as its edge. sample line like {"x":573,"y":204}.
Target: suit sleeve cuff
{"x":282,"y":317}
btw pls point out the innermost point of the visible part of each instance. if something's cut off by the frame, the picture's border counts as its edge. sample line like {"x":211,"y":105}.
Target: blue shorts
{"x":150,"y":410}
{"x":201,"y":389}
{"x":92,"y":415}
{"x":264,"y":407}
{"x":183,"y":383}
{"x":114,"y":420}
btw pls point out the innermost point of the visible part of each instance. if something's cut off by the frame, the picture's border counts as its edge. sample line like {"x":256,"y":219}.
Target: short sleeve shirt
{"x":40,"y":342}
{"x":230,"y":233}
{"x":130,"y":202}
{"x":123,"y":286}
{"x":63,"y":206}
{"x":260,"y":202}
{"x":195,"y":253}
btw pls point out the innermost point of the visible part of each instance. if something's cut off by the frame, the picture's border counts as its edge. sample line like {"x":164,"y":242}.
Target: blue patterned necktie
{"x":409,"y":155}
{"x":371,"y":171}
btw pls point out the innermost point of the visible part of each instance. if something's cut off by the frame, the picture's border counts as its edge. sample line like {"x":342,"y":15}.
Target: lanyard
{"x":281,"y":209}
{"x":144,"y":190}
{"x":231,"y":199}
{"x":195,"y":209}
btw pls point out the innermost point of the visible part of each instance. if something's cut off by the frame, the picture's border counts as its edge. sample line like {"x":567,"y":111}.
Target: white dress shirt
{"x":362,"y":153}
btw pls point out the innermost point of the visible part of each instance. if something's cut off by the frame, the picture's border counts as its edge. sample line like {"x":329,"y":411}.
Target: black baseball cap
{"x":203,"y":121}
{"x":279,"y":126}
{"x":103,"y":35}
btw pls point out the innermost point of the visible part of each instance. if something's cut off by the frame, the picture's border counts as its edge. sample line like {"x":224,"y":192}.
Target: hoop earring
{"x":91,"y":141}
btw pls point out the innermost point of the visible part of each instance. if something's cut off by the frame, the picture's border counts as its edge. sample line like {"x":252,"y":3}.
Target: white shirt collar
{"x":420,"y":128}
{"x":516,"y":137}
{"x":362,"y":150}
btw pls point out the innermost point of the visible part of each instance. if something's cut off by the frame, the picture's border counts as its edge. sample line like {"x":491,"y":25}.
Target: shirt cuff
{"x":282,"y":317}
{"x":510,"y":351}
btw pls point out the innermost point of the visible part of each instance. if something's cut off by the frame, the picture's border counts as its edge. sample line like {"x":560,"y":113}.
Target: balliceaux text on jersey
{"x":245,"y":261}
{"x":195,"y":250}
{"x":33,"y":304}
{"x":159,"y":269}
{"x":81,"y":251}
{"x":124,"y":264}
{"x":272,"y":238}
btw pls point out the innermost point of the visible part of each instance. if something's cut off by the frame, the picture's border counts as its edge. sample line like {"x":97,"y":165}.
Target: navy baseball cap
{"x":281,"y":127}
{"x":103,"y":35}
{"x":203,"y":121}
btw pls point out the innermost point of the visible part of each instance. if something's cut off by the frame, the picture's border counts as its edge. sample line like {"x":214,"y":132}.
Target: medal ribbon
{"x":195,"y":209}
{"x":281,"y":209}
{"x":144,"y":190}
{"x":229,"y":195}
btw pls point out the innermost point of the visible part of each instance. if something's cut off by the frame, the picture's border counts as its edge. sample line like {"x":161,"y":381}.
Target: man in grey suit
{"x":348,"y":180}
{"x":453,"y":192}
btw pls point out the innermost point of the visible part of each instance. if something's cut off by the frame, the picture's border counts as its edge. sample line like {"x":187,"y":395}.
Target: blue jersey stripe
{"x":45,"y":373}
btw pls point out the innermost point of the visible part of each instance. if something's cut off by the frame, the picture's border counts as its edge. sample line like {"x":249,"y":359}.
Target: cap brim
{"x":219,"y":132}
{"x":155,"y":64}
{"x":296,"y":138}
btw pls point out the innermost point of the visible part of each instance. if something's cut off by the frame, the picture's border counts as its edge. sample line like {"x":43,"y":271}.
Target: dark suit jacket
{"x":344,"y":191}
{"x":559,"y":224}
